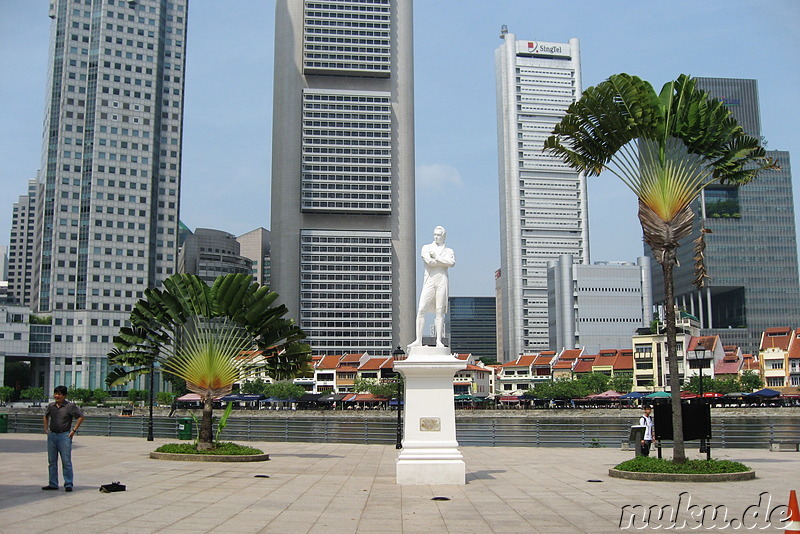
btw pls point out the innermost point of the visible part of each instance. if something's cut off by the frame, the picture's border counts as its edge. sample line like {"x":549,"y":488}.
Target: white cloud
{"x":438,"y":177}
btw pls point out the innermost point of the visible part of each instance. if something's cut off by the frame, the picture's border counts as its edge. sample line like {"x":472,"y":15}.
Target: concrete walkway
{"x":336,"y":489}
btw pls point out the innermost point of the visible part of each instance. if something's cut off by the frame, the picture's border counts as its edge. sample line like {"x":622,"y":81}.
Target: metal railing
{"x":472,"y":431}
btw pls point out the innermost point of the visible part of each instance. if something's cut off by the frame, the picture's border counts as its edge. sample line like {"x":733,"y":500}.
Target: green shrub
{"x":5,"y":393}
{"x":34,"y":394}
{"x":137,"y":395}
{"x":224,"y":448}
{"x":40,"y":319}
{"x":222,"y":424}
{"x":80,"y":394}
{"x":646,"y":464}
{"x":165,"y":398}
{"x":100,"y":395}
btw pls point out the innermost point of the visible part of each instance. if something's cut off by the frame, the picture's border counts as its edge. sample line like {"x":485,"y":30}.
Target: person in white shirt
{"x":646,"y":421}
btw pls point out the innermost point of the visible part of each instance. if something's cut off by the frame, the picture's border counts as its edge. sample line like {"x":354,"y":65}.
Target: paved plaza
{"x":345,"y":488}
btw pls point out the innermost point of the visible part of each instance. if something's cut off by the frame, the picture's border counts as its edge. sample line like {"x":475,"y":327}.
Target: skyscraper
{"x":751,"y":252}
{"x":3,"y":263}
{"x":21,"y":246}
{"x":343,"y":257}
{"x":256,"y":245}
{"x":210,"y":253}
{"x":471,"y":326}
{"x":543,"y":210}
{"x":107,"y":214}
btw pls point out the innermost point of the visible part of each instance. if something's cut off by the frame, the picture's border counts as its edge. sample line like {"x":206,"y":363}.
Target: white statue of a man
{"x":435,"y":285}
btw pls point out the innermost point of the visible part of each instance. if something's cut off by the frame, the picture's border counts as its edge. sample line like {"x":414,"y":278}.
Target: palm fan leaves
{"x":208,"y":336}
{"x":167,"y":325}
{"x":666,"y":147}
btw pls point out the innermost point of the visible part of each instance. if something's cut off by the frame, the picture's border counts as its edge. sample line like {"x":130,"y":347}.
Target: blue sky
{"x":228,"y":117}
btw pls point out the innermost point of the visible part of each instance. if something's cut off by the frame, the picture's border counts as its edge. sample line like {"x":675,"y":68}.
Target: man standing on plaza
{"x":58,"y":418}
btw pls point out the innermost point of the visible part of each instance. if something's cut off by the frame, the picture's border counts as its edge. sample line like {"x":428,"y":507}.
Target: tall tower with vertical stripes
{"x":343,"y":242}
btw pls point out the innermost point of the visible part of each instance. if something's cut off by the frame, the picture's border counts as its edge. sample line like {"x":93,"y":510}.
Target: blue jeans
{"x":59,"y":443}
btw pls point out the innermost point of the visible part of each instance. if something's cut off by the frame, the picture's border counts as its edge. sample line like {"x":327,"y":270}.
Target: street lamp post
{"x":398,"y":354}
{"x":700,"y":355}
{"x":152,"y":395}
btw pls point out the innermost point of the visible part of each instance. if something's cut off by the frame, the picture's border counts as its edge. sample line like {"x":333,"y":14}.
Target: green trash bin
{"x":185,"y":428}
{"x":3,"y":423}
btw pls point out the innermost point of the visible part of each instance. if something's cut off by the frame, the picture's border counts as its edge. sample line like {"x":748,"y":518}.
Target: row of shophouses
{"x":778,"y":364}
{"x":645,"y":361}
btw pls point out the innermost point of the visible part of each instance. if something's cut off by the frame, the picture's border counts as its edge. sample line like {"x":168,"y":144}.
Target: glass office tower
{"x":107,"y":207}
{"x":472,"y":326}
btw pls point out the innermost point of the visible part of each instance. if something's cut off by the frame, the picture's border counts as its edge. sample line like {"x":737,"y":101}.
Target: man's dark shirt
{"x":61,"y":418}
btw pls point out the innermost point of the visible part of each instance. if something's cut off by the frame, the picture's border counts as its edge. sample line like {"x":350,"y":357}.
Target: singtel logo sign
{"x":540,"y":48}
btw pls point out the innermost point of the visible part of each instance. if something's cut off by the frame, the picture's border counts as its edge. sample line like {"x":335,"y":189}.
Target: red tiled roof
{"x":728,"y":366}
{"x":471,"y":367}
{"x":328,"y":362}
{"x":346,"y":369}
{"x":709,"y":342}
{"x":750,"y":363}
{"x":463,"y":356}
{"x":522,"y":361}
{"x":377,"y":363}
{"x":570,"y":354}
{"x":794,"y":345}
{"x":624,"y":361}
{"x":564,"y":364}
{"x":776,"y":338}
{"x":544,"y":359}
{"x":584,"y":364}
{"x":605,"y":359}
{"x":351,"y":358}
{"x":732,"y":349}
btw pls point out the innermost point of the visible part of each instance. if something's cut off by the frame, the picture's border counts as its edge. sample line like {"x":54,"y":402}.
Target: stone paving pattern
{"x":345,"y":488}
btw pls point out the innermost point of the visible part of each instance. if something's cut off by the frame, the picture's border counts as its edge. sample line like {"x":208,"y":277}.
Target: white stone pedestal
{"x":430,"y":452}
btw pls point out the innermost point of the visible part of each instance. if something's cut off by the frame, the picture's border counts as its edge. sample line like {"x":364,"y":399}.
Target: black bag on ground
{"x":111,"y":488}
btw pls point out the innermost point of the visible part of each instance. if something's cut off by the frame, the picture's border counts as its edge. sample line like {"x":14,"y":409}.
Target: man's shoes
{"x":68,"y":489}
{"x":47,"y":488}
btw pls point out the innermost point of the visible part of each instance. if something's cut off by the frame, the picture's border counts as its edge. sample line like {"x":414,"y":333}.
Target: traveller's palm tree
{"x":211,"y":337}
{"x":666,"y":147}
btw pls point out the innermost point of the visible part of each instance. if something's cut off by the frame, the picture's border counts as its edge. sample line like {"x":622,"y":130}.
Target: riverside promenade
{"x":346,"y":488}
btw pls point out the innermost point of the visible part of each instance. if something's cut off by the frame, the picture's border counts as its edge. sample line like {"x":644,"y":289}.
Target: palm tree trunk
{"x":678,"y":449}
{"x":205,"y":438}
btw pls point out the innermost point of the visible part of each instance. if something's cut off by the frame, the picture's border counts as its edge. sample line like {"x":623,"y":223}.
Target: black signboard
{"x":696,"y":421}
